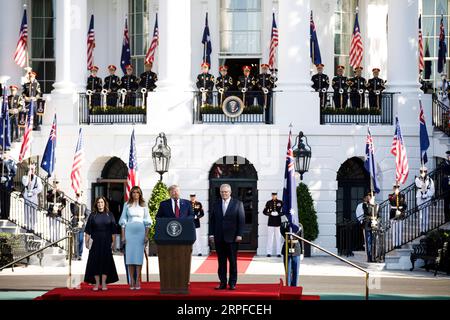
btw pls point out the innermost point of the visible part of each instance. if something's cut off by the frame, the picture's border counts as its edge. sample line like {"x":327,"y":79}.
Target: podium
{"x":174,"y":239}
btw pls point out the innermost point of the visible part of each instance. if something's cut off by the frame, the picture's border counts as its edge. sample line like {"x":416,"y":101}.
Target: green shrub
{"x":307,"y":214}
{"x":159,"y":193}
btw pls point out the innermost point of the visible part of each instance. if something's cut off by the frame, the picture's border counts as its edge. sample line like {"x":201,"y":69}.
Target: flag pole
{"x":3,"y":135}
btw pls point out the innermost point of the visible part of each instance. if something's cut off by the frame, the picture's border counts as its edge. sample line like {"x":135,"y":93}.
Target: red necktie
{"x":177,"y":210}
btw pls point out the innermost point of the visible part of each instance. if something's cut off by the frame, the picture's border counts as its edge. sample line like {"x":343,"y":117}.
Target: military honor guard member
{"x":147,"y":81}
{"x":444,"y":89}
{"x":357,"y":86}
{"x":246,"y":84}
{"x":295,"y":251}
{"x":446,"y":186}
{"x":32,"y":188}
{"x":112,"y":86}
{"x":369,"y":225}
{"x":273,"y":211}
{"x":32,"y":90}
{"x":375,"y":86}
{"x":425,"y":192}
{"x":321,"y":83}
{"x":129,"y":85}
{"x":16,"y":104}
{"x":397,"y":212}
{"x":198,"y":214}
{"x":94,"y":88}
{"x":205,"y":84}
{"x":224,"y":83}
{"x":340,"y":87}
{"x":265,"y":83}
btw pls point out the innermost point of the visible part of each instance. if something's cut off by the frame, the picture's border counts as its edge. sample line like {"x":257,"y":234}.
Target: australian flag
{"x":125,"y":58}
{"x":424,"y":140}
{"x":290,"y":208}
{"x":314,"y":43}
{"x":206,"y":40}
{"x":5,"y":138}
{"x":48,"y":159}
{"x":369,"y":164}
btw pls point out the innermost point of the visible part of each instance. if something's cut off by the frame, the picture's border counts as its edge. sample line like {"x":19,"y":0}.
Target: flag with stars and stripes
{"x":78,"y":159}
{"x":398,"y":149}
{"x":125,"y":58}
{"x":290,"y":208}
{"x":90,"y":44}
{"x":356,"y":46}
{"x":48,"y":159}
{"x":421,"y":57}
{"x":132,"y":178}
{"x":150,"y":56}
{"x":28,"y":135}
{"x":20,"y":55}
{"x":273,"y":43}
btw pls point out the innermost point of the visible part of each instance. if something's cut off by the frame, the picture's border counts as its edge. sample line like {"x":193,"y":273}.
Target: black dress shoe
{"x":232,"y":287}
{"x":221,"y":287}
{"x":199,"y":254}
{"x":268,"y":256}
{"x":279,"y":255}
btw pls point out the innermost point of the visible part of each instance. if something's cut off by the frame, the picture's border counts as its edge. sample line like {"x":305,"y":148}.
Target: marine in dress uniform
{"x":197,"y":207}
{"x":205,"y":83}
{"x":112,"y":86}
{"x":130,"y":83}
{"x":32,"y":89}
{"x":265,"y":83}
{"x":246,"y":84}
{"x":224,"y":83}
{"x":295,"y":251}
{"x":15,"y":105}
{"x":357,"y":86}
{"x":425,"y":192}
{"x":273,"y":211}
{"x":398,"y":206}
{"x":340,"y":87}
{"x":321,"y":83}
{"x":147,"y":81}
{"x":375,"y":86}
{"x":94,"y":84}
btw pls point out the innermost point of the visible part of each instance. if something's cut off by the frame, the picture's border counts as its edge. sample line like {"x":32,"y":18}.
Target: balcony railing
{"x":382,"y":114}
{"x":255,"y":107}
{"x":441,"y":115}
{"x":112,"y":108}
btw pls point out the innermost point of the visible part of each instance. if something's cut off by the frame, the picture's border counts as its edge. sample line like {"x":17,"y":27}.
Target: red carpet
{"x":210,"y":265}
{"x":198,"y":291}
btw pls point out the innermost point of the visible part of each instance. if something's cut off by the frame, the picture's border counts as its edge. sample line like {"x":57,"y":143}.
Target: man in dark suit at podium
{"x":226,"y":227}
{"x":175,"y":207}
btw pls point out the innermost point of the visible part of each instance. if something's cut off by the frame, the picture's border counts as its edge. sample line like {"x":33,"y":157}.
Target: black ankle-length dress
{"x":101,"y":227}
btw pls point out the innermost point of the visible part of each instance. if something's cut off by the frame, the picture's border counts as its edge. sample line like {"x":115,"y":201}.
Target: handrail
{"x":331,"y":254}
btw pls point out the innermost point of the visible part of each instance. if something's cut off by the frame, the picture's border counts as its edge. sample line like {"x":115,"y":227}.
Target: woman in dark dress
{"x":101,"y":227}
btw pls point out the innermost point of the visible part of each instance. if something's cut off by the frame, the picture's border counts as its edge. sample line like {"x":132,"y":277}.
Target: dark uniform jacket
{"x":32,"y":89}
{"x":198,"y":212}
{"x":357,"y":83}
{"x":265,"y":81}
{"x":225,"y":83}
{"x":246,"y":82}
{"x":339,"y":82}
{"x":112,"y":83}
{"x":320,"y":81}
{"x":130,"y":83}
{"x":273,"y":205}
{"x":375,"y":84}
{"x":94,"y":84}
{"x":15,"y":103}
{"x":60,"y":202}
{"x":205,"y":80}
{"x":148,"y":80}
{"x":295,"y":246}
{"x":76,"y":215}
{"x":9,"y":172}
{"x":401,"y":205}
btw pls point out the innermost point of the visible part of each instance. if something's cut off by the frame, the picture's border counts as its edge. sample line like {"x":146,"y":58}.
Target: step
{"x":6,"y":223}
{"x":10,"y":229}
{"x":360,"y":259}
{"x":50,"y":260}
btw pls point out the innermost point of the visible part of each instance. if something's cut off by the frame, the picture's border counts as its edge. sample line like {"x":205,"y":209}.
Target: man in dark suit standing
{"x":226,"y":227}
{"x":175,"y":207}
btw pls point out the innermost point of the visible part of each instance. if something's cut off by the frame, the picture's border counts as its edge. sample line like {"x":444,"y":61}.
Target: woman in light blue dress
{"x":135,"y":222}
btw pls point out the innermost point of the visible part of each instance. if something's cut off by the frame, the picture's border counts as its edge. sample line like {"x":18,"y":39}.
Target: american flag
{"x":27,"y":137}
{"x":398,"y":149}
{"x":356,"y":46}
{"x":78,"y":159}
{"x":132,"y":178}
{"x":150,"y":57}
{"x":20,"y":55}
{"x":90,"y":44}
{"x":273,"y":43}
{"x":421,"y":58}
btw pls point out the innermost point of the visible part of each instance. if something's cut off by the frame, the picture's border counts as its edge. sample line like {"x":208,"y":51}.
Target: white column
{"x":78,"y":44}
{"x":174,"y":56}
{"x":293,"y":49}
{"x":9,"y":34}
{"x":403,"y":46}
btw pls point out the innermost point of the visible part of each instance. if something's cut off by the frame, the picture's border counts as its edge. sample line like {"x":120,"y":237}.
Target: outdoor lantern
{"x":161,"y":155}
{"x":302,"y":154}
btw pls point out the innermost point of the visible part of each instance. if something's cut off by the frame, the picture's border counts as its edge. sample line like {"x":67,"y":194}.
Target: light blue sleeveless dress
{"x":134,"y":219}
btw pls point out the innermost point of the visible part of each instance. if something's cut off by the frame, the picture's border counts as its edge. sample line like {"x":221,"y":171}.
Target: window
{"x":344,"y":18}
{"x":431,"y":20}
{"x":240,"y":27}
{"x":42,"y":40}
{"x":139,"y":33}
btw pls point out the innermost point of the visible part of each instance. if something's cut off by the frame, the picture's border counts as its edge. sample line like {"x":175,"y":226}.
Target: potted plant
{"x":307,"y":216}
{"x":159,"y":193}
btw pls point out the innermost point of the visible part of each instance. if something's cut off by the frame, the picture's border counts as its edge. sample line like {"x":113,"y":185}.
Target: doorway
{"x":241,"y":175}
{"x":235,"y":68}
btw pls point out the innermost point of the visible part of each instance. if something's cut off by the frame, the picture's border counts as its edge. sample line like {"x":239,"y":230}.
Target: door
{"x":235,"y":67}
{"x":114,"y":192}
{"x":245,"y":191}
